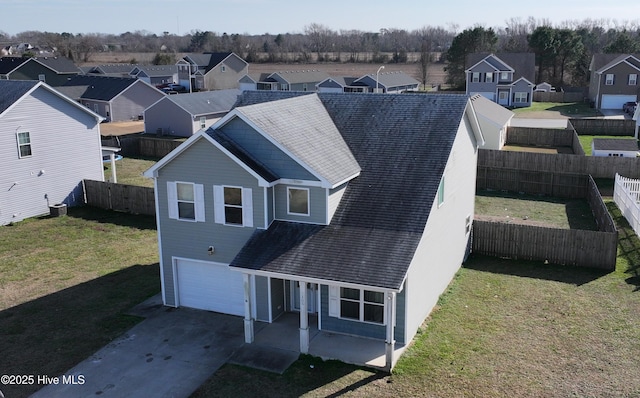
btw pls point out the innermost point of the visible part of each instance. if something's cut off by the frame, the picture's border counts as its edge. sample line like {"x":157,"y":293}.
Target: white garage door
{"x":610,"y":101}
{"x":209,"y":286}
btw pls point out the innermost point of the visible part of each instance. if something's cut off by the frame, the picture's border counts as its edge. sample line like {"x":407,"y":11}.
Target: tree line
{"x":563,"y":51}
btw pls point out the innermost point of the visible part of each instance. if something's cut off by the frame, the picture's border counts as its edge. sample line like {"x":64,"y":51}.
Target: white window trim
{"x":21,"y":145}
{"x":203,"y":122}
{"x":634,"y":81}
{"x":488,"y":77}
{"x":334,"y":305}
{"x":518,"y":94}
{"x":172,"y":201}
{"x":440,"y":193}
{"x":219,"y":206}
{"x":608,"y":82}
{"x":504,"y":76}
{"x":42,"y":77}
{"x":475,"y":77}
{"x":308,"y":202}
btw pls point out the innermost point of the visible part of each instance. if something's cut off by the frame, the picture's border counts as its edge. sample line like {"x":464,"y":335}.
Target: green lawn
{"x":574,"y":109}
{"x":502,"y":329}
{"x":65,"y":285}
{"x":129,"y":171}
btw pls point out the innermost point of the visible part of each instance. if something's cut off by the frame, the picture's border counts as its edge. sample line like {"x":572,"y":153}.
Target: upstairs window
{"x":203,"y":122}
{"x":504,"y":76}
{"x":24,"y":144}
{"x":298,"y":201}
{"x":223,"y":68}
{"x":488,"y":77}
{"x":475,"y":77}
{"x":633,"y":79}
{"x":609,"y":79}
{"x":185,"y":201}
{"x":233,"y":206}
{"x":42,"y":77}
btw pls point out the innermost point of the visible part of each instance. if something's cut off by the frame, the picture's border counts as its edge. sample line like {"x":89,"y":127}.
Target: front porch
{"x":284,"y":334}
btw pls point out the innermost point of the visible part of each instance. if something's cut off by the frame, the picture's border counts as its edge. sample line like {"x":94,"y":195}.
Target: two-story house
{"x":211,"y":71}
{"x":48,"y":145}
{"x":55,"y":71}
{"x":505,"y":78}
{"x":614,"y":80}
{"x":352,"y":211}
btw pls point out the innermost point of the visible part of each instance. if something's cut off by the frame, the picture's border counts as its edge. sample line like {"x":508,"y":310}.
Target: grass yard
{"x":65,"y":285}
{"x":586,"y":140}
{"x":570,"y":109}
{"x":129,"y":171}
{"x":502,"y":329}
{"x":534,"y":210}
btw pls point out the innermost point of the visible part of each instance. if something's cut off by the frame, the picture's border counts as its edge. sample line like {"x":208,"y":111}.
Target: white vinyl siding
{"x":233,"y":205}
{"x":186,"y":201}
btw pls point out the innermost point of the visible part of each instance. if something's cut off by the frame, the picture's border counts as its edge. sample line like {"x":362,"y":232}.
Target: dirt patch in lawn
{"x":121,"y":128}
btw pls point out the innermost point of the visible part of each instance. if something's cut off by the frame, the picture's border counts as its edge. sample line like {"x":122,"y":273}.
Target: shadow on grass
{"x":51,"y":334}
{"x":534,"y":269}
{"x":628,"y":246}
{"x":307,"y":375}
{"x":575,"y":110}
{"x":90,"y":213}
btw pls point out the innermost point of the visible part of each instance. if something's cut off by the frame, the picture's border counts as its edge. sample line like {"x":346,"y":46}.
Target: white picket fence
{"x":626,"y":194}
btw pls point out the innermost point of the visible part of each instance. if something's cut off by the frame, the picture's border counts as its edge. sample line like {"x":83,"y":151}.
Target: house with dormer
{"x":211,"y":71}
{"x":351,"y":211}
{"x":506,"y":78}
{"x":614,"y":80}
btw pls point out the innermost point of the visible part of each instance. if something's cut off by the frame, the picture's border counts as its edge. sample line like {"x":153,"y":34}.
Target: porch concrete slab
{"x":265,"y":358}
{"x":354,"y":350}
{"x":171,"y":353}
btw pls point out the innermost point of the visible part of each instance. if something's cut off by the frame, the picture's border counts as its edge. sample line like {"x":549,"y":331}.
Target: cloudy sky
{"x":291,"y":16}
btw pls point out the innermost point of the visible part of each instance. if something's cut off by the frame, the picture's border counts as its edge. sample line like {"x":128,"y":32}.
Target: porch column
{"x":248,"y":320}
{"x":304,"y":319}
{"x":390,"y":342}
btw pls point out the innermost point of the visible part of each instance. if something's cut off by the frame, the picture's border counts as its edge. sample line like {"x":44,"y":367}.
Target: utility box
{"x":58,"y":210}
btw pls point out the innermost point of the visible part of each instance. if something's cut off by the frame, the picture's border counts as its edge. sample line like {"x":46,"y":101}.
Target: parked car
{"x":174,"y":87}
{"x":629,"y":107}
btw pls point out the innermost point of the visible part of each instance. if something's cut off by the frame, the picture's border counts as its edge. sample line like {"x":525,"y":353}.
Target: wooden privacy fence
{"x":582,"y":248}
{"x":532,"y":136}
{"x":601,"y":126}
{"x":561,"y":96}
{"x":626,"y":194}
{"x":532,"y":182}
{"x":120,"y":197}
{"x":145,"y":146}
{"x":597,"y":166}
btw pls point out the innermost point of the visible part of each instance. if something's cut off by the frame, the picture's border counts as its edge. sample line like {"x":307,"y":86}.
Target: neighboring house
{"x":156,"y":75}
{"x":182,"y":115}
{"x":613,"y":80}
{"x":356,"y":209}
{"x":494,"y":121}
{"x":337,"y":85}
{"x":112,"y":70}
{"x":116,"y":99}
{"x":387,"y":82}
{"x":211,"y":71}
{"x":621,"y":147}
{"x":505,"y":78}
{"x":48,"y":145}
{"x":297,"y":80}
{"x":55,"y":71}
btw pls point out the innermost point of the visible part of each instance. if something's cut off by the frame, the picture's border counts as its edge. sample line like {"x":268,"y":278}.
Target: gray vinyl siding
{"x":270,"y":207}
{"x":265,"y":152}
{"x":172,"y":119}
{"x":522,"y":87}
{"x":169,"y":117}
{"x":335,"y":195}
{"x":401,"y":313}
{"x":278,"y":306}
{"x":65,"y":143}
{"x":191,"y":239}
{"x":132,"y":102}
{"x":354,"y":328}
{"x":317,"y":205}
{"x":216,"y":79}
{"x":262,"y":298}
{"x":482,"y":87}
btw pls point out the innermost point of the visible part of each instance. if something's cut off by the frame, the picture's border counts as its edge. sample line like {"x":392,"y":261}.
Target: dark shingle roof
{"x":206,"y":102}
{"x":13,"y":90}
{"x":402,"y":143}
{"x":100,"y":88}
{"x":7,"y":64}
{"x":61,"y":65}
{"x":615,"y":144}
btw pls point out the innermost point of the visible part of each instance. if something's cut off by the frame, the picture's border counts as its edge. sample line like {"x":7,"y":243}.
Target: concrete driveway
{"x":169,"y":354}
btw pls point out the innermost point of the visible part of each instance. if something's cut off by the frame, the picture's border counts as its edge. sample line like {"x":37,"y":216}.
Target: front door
{"x":503,"y":98}
{"x":312,"y":289}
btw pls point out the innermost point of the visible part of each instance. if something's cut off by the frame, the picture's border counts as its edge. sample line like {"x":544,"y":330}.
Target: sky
{"x":257,"y":17}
